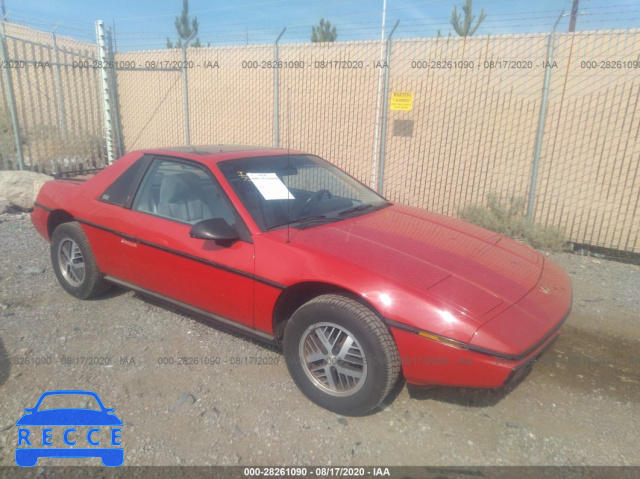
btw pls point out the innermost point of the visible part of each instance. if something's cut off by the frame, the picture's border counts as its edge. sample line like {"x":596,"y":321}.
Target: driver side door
{"x":159,"y":256}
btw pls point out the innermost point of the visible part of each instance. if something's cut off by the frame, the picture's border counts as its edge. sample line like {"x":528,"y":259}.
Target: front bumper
{"x":500,"y":350}
{"x":426,"y":362}
{"x":110,"y":457}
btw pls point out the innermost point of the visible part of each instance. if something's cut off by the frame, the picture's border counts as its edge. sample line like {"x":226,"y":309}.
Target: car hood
{"x":473,"y":269}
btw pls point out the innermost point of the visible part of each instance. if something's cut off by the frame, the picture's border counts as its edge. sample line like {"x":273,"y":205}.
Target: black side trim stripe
{"x":401,"y":326}
{"x":46,"y":208}
{"x":515,"y":372}
{"x":512,"y":357}
{"x":200,"y":312}
{"x":198,"y":259}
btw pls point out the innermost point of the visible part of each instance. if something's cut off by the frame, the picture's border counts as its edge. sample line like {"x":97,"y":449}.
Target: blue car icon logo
{"x":84,"y":431}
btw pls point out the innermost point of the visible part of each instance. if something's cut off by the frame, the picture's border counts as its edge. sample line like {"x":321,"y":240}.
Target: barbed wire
{"x":622,"y":16}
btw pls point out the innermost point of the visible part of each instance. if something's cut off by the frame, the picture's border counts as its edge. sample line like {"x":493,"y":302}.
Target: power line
{"x":359,"y":26}
{"x":232,"y":33}
{"x":236,"y":7}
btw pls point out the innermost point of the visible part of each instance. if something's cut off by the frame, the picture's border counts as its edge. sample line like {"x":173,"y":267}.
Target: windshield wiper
{"x":333,"y":217}
{"x":353,"y":209}
{"x":306,"y":219}
{"x":309,"y":219}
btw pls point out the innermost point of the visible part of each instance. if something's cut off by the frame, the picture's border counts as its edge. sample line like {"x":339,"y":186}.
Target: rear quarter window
{"x":123,"y":189}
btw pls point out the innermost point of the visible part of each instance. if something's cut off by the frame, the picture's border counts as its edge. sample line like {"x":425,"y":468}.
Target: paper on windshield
{"x":270,"y":186}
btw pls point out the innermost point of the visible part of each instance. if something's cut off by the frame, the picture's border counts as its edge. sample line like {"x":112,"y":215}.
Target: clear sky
{"x":145,"y":24}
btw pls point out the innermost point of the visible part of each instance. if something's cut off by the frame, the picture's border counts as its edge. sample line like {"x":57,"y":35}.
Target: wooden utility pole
{"x":574,"y":15}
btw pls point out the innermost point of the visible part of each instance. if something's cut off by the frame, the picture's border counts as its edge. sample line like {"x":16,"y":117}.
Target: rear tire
{"x":74,"y":263}
{"x":341,"y":355}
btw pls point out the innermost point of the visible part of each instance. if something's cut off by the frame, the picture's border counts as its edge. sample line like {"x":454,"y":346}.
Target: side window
{"x":181,"y":192}
{"x":124,"y":187}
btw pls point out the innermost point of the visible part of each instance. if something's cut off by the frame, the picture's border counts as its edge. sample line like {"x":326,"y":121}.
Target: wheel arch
{"x":56,"y":218}
{"x":298,"y":294}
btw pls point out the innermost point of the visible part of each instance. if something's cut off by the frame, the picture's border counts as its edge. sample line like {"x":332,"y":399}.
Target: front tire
{"x":341,"y":355}
{"x":74,"y":263}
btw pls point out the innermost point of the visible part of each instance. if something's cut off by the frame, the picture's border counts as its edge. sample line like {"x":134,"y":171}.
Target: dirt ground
{"x":580,"y":405}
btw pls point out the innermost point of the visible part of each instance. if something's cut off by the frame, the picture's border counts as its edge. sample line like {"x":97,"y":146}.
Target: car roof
{"x":68,"y":391}
{"x":222,"y":152}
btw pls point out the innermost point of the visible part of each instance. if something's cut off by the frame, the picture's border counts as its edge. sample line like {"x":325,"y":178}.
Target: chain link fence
{"x":475,"y":122}
{"x":589,"y":182}
{"x":437,"y":123}
{"x":472,"y":126}
{"x":328,"y":96}
{"x":50,"y":118}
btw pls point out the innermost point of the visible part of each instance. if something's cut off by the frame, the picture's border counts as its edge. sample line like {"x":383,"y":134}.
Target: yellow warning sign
{"x":402,"y":100}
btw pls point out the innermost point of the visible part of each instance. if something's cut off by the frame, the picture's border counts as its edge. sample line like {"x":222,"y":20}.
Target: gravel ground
{"x":578,"y":406}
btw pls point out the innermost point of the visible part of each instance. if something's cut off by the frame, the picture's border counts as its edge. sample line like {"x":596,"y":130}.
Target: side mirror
{"x":215,"y":229}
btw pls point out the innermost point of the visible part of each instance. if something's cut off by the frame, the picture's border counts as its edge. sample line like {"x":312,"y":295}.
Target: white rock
{"x":20,"y":188}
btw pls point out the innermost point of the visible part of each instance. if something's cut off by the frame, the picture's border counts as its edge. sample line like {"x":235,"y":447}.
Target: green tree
{"x":324,"y":32}
{"x":464,"y":28}
{"x":185,"y":28}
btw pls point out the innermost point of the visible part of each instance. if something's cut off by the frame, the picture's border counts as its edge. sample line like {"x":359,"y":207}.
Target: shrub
{"x":507,"y":218}
{"x":8,"y":151}
{"x":49,"y":143}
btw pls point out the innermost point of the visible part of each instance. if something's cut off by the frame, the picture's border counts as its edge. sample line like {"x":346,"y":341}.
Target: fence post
{"x":541,"y":120}
{"x":56,"y":63}
{"x":106,"y":100}
{"x":376,"y":141}
{"x":11,"y":97}
{"x":185,"y":88}
{"x":114,"y":92}
{"x":385,"y":101}
{"x":276,"y":105}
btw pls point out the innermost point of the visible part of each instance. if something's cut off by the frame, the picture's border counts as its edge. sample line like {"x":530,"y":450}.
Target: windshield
{"x":68,"y":401}
{"x":300,"y":190}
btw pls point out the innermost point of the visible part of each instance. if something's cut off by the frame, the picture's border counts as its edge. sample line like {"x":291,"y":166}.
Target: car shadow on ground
{"x":205,"y":321}
{"x":113,"y":292}
{"x":468,"y":397}
{"x":391,"y":397}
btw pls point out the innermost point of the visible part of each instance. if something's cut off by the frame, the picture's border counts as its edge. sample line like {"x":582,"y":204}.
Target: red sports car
{"x":288,"y":248}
